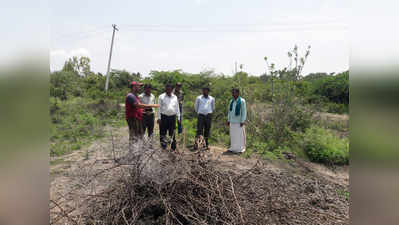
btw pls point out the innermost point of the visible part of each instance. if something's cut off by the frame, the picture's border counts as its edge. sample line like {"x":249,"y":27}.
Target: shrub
{"x":286,"y":119}
{"x":334,"y":88}
{"x":77,"y":121}
{"x":322,"y":146}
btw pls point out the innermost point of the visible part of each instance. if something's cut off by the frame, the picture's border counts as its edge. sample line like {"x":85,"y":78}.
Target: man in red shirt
{"x":134,"y":112}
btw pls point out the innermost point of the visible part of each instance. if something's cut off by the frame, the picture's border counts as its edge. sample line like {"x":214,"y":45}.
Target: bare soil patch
{"x":110,"y":184}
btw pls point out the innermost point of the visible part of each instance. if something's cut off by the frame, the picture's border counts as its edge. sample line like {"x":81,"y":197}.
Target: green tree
{"x":80,"y":66}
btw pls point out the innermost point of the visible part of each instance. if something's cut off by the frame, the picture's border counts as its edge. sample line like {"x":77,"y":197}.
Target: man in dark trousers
{"x":148,"y":116}
{"x":204,"y":106}
{"x":180,"y":96}
{"x":168,"y":113}
{"x":134,"y":112}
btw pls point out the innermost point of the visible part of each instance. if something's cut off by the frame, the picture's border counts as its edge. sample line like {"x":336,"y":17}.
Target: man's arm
{"x":178,"y":110}
{"x":196,"y":105}
{"x":146,"y":106}
{"x":243,"y":112}
{"x":152,"y":100}
{"x":131,"y":99}
{"x":159,"y":110}
{"x":228,"y":113}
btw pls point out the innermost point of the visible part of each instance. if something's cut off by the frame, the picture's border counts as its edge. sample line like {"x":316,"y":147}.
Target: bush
{"x":287,"y":117}
{"x":322,"y":146}
{"x":77,"y":121}
{"x":334,"y":88}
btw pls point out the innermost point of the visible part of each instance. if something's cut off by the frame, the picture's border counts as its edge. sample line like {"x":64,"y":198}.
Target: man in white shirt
{"x":167,"y":114}
{"x":204,"y":106}
{"x":180,"y":96}
{"x":148,"y":115}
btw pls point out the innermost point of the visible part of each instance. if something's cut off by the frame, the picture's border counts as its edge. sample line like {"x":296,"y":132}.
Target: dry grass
{"x":145,"y":185}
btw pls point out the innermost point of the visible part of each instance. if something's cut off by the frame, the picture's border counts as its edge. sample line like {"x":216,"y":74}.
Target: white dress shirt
{"x":145,"y":99}
{"x":169,"y":106}
{"x":204,"y":105}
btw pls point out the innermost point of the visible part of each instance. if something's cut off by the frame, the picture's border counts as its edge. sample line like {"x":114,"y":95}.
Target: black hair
{"x":168,"y":85}
{"x":236,"y":90}
{"x":207,"y":88}
{"x":147,"y":86}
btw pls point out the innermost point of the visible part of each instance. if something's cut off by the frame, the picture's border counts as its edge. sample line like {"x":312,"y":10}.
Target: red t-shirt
{"x":130,"y":109}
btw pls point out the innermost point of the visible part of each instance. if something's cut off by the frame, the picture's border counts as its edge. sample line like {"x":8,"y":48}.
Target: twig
{"x":65,"y":214}
{"x":235,"y":197}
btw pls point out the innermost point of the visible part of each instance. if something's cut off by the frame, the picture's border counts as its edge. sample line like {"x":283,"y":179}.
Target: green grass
{"x":247,"y":153}
{"x":77,"y":122}
{"x":344,"y":194}
{"x":56,"y":162}
{"x":265,"y":149}
{"x":341,"y":126}
{"x":322,"y":146}
{"x":337,"y":108}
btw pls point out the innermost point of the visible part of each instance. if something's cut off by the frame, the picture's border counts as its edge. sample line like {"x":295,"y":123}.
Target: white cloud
{"x":79,"y":52}
{"x":163,"y":54}
{"x":58,"y":53}
{"x":198,"y":2}
{"x":74,"y":52}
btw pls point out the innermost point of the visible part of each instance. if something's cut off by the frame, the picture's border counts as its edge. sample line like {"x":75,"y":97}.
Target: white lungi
{"x":237,"y":137}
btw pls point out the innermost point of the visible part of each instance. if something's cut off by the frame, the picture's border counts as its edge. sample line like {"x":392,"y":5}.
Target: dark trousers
{"x":148,"y":123}
{"x":168,"y":125}
{"x":179,"y":125}
{"x":136,"y":130}
{"x":204,"y":126}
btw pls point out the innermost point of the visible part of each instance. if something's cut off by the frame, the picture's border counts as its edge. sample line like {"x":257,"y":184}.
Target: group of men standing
{"x":140,"y":115}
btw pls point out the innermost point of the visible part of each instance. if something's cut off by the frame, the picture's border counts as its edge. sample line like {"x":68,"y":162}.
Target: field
{"x":295,"y":169}
{"x":90,"y":182}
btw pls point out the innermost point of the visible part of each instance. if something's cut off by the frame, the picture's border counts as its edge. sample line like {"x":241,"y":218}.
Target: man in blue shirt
{"x":204,"y":106}
{"x":237,"y":114}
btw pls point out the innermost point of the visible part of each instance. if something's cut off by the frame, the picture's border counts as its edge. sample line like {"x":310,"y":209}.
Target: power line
{"x":218,"y":30}
{"x":215,"y":28}
{"x":275,"y":23}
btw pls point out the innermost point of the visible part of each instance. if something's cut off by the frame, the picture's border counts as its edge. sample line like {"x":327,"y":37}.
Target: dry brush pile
{"x":157,"y":187}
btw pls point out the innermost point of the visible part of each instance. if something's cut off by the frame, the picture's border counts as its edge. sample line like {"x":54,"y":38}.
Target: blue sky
{"x":196,"y":35}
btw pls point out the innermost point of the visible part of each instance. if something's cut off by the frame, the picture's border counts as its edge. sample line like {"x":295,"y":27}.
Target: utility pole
{"x":110,"y":54}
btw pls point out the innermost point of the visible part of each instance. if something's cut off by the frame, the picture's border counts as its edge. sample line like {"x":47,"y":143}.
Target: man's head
{"x":178,"y":86}
{"x":135,"y":86}
{"x":205,"y":91}
{"x":147,"y":89}
{"x":168,"y":89}
{"x":235,"y":92}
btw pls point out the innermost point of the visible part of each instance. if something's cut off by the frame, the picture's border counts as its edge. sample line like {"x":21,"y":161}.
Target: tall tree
{"x":80,"y":66}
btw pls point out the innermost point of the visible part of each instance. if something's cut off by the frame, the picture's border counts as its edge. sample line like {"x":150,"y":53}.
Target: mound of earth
{"x":145,"y":185}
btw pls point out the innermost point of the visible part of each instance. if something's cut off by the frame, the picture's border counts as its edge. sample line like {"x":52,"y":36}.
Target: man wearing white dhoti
{"x":237,"y":114}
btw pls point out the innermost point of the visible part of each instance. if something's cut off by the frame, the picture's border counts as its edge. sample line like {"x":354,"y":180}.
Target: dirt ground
{"x":69,"y":172}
